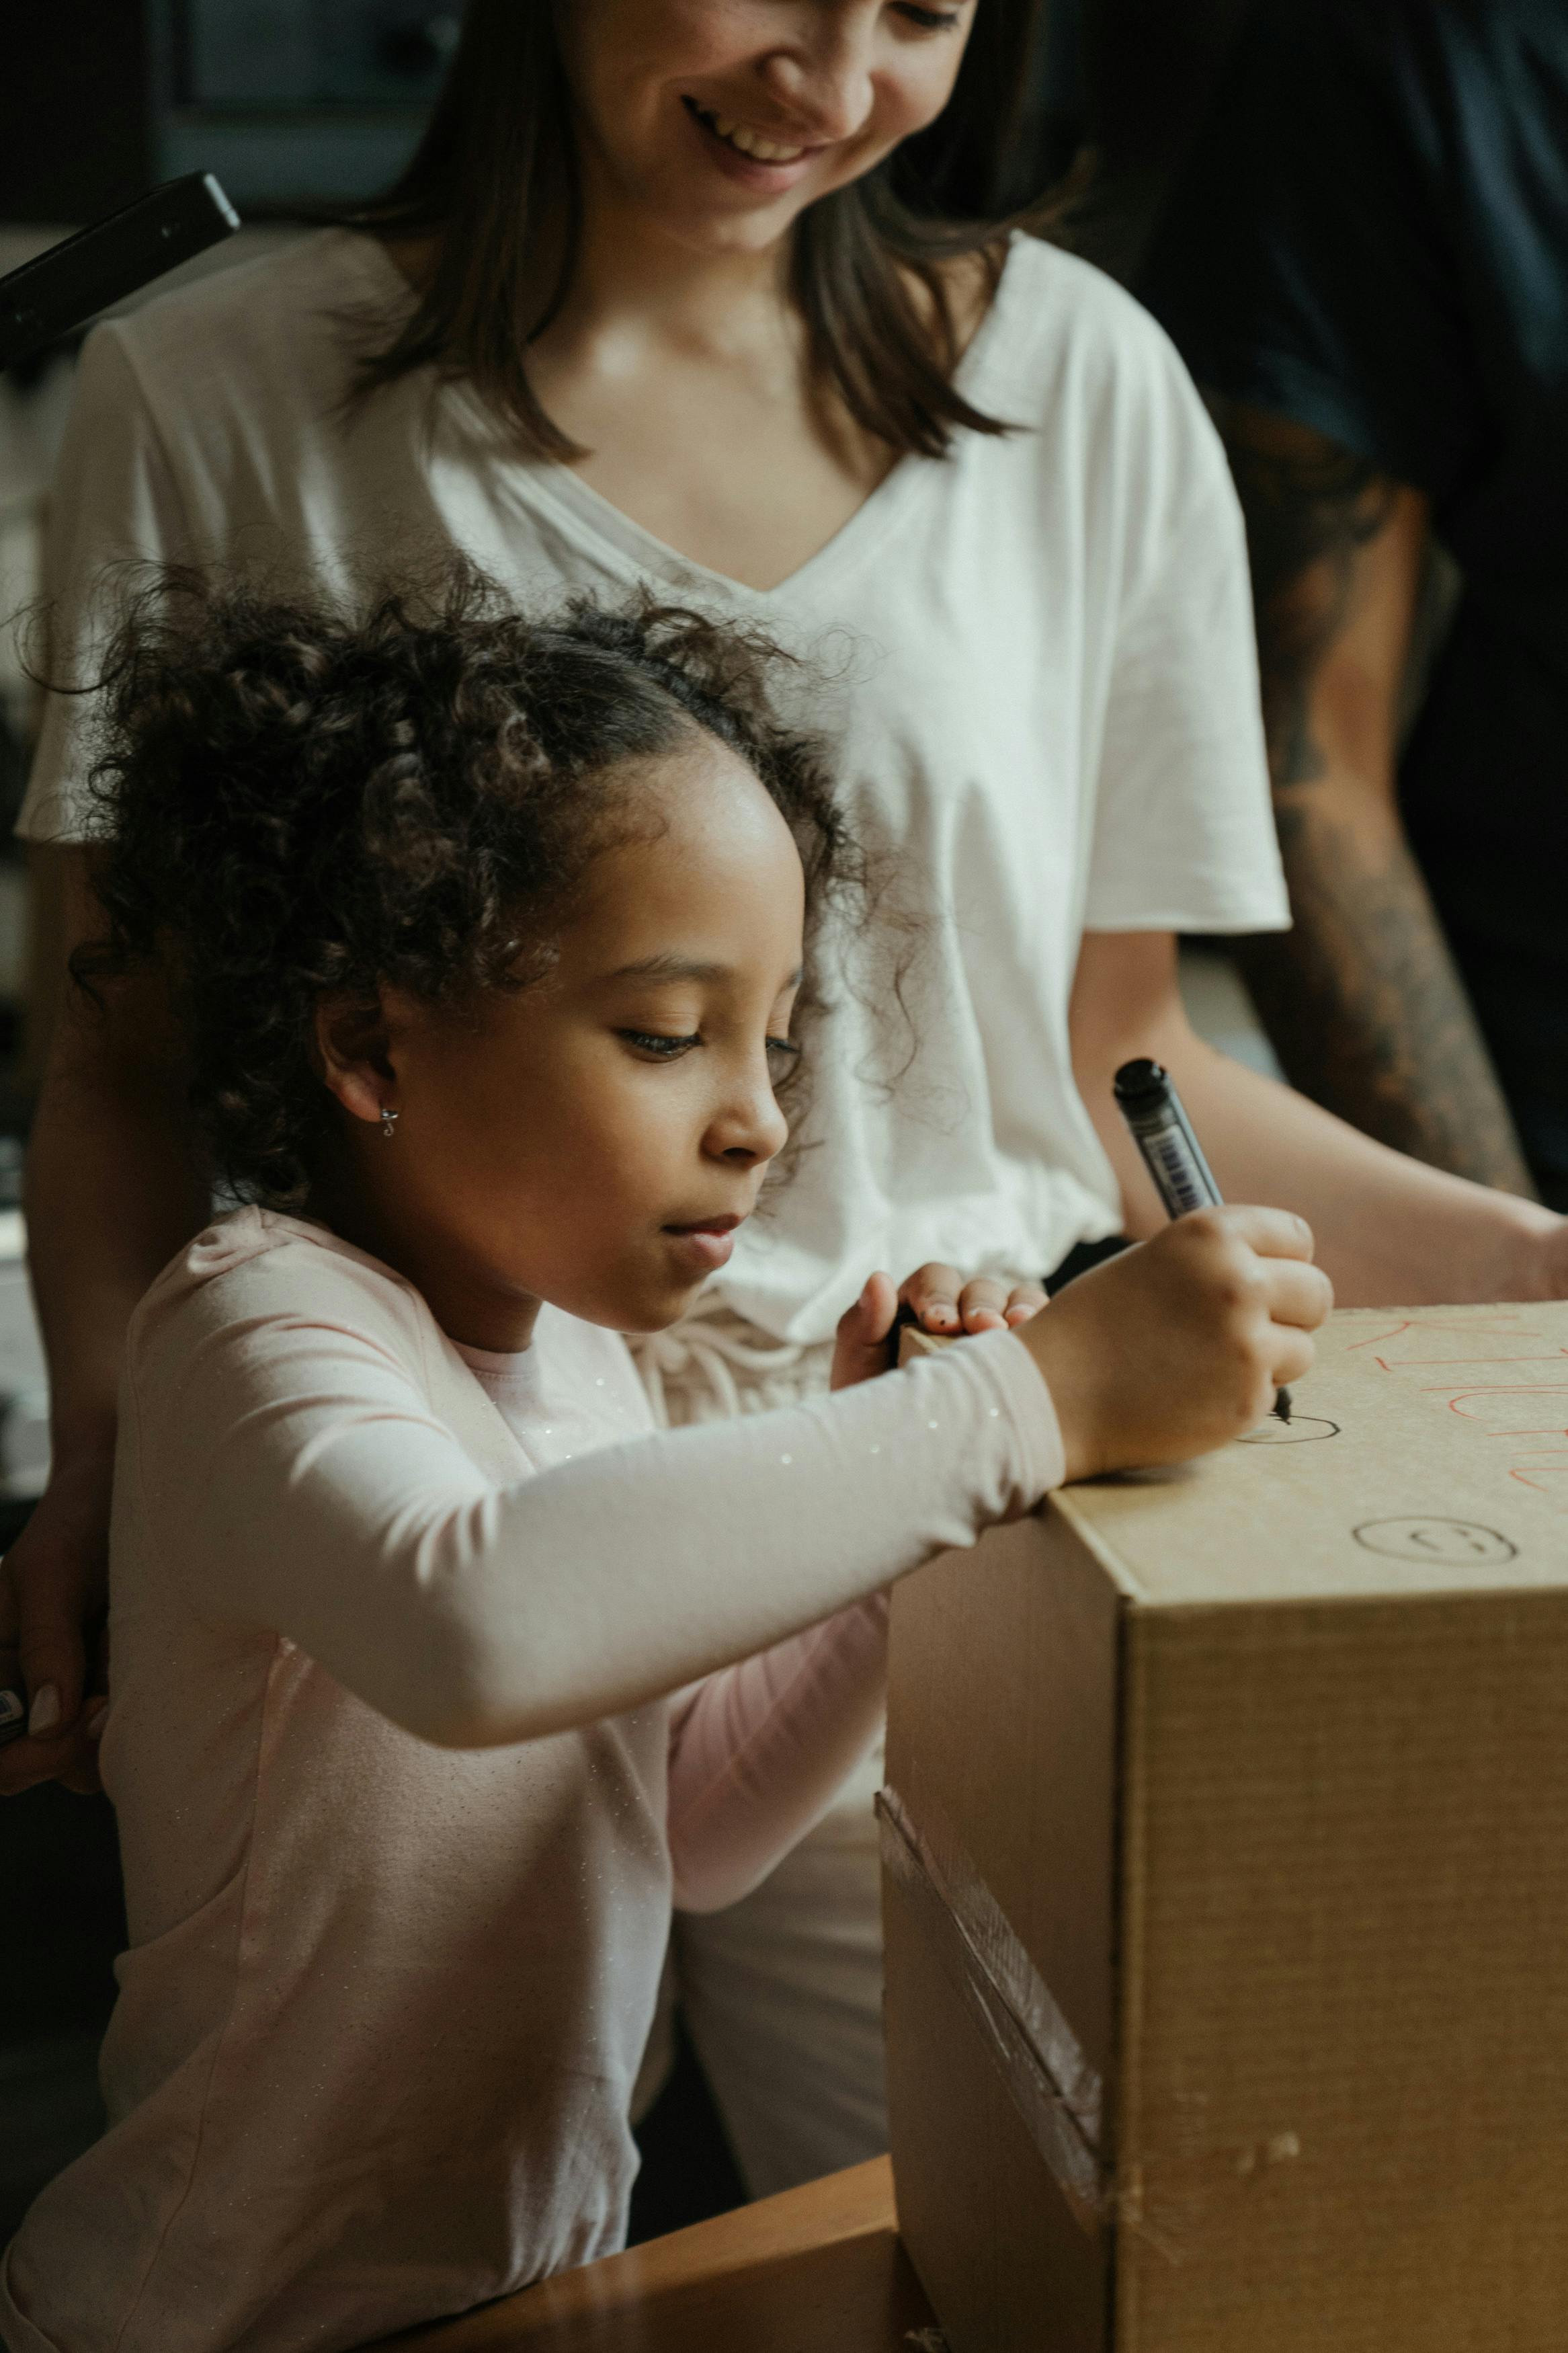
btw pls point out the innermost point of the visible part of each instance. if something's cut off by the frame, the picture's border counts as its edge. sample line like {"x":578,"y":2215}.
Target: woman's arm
{"x":113,"y":1191}
{"x":1390,"y":1231}
{"x":1361,"y":998}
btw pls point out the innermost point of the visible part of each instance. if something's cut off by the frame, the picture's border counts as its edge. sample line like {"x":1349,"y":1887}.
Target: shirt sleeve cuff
{"x":1021,"y":1393}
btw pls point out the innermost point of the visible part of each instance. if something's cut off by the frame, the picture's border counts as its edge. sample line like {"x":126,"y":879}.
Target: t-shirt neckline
{"x":508,"y":1366}
{"x":546,"y":479}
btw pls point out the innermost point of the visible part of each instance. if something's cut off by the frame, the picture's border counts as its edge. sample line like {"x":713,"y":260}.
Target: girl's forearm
{"x":316,"y":1494}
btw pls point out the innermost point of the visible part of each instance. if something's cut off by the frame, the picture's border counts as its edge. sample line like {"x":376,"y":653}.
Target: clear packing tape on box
{"x":1049,"y":2077}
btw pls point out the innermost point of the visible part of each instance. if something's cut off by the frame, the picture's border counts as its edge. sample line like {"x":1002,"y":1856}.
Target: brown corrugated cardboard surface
{"x":1266,"y":1766}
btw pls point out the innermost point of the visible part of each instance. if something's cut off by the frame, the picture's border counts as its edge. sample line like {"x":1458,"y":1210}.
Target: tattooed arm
{"x":1360,"y":1001}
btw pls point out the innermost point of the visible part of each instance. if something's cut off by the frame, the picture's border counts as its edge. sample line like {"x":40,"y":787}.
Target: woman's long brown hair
{"x":494,"y":184}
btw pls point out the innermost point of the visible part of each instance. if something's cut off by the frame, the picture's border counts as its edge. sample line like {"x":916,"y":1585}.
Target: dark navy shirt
{"x":1373,"y":238}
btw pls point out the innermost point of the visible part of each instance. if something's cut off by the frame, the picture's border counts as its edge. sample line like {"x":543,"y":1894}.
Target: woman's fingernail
{"x":96,"y":1721}
{"x":45,"y":1712}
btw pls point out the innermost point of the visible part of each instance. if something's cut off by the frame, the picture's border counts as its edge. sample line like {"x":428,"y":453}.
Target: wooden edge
{"x":855,"y":2204}
{"x":913,"y":1342}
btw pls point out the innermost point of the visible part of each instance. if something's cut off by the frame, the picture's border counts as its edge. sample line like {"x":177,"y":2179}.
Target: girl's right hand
{"x":1177,"y":1346}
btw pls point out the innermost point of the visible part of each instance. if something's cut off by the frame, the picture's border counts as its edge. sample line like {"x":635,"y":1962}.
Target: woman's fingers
{"x":55,"y":1580}
{"x":1025,"y":1299}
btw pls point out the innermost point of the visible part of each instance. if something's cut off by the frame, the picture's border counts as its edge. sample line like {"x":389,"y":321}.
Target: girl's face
{"x":720,"y":119}
{"x":596,"y":1139}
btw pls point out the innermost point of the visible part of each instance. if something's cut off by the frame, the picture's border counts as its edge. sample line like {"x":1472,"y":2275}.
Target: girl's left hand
{"x":939,"y":1301}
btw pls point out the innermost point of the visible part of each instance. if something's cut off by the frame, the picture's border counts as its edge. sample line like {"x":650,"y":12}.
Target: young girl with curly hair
{"x":486,"y":937}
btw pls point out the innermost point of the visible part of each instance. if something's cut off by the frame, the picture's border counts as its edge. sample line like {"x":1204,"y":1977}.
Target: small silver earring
{"x":388,"y":1123}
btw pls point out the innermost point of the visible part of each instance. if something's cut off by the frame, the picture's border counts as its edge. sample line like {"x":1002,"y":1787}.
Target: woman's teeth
{"x":749,"y":143}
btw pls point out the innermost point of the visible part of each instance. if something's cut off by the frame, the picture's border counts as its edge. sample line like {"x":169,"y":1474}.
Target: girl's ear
{"x":353,"y":1052}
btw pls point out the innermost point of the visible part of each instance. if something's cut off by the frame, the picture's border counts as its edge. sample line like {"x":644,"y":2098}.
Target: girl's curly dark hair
{"x":294,"y":803}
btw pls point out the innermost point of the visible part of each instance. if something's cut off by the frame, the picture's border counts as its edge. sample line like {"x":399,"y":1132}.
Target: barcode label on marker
{"x":1168,"y":1148}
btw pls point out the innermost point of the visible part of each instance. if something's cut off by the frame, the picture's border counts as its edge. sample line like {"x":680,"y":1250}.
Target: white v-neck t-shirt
{"x":1034,"y":661}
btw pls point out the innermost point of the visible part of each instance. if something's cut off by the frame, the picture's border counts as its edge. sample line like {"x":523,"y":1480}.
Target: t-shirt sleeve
{"x":113,"y":503}
{"x":1183,"y":833}
{"x":1304,"y":264}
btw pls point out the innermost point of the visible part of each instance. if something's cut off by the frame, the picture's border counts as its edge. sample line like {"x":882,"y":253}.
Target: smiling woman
{"x":837,"y":119}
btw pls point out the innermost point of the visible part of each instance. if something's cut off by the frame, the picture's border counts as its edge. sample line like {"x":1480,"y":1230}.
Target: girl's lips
{"x":704,"y":1246}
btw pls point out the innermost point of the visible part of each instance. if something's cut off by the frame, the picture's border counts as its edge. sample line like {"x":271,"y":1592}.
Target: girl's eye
{"x":657,"y":1046}
{"x":782,"y":1055}
{"x":929,"y":20}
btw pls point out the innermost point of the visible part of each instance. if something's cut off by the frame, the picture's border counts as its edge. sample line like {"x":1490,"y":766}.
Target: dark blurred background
{"x":292,"y":103}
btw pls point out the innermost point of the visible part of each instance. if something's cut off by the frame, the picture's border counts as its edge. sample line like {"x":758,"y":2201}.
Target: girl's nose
{"x":823,"y":72}
{"x":749,"y":1128}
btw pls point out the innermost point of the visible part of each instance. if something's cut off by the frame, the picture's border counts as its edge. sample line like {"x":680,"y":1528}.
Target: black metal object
{"x":49,"y":296}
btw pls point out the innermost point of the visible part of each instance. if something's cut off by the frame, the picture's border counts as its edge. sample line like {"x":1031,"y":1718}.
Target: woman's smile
{"x":759,"y":159}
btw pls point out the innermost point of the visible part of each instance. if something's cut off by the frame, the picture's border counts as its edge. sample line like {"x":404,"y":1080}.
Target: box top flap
{"x":1429,"y":1453}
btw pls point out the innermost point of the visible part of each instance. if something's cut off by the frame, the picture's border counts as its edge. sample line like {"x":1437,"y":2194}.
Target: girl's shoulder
{"x":255,"y":1268}
{"x":258,"y":1287}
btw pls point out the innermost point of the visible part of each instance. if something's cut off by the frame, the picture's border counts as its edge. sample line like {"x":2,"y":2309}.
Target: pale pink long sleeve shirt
{"x":402,"y":1799}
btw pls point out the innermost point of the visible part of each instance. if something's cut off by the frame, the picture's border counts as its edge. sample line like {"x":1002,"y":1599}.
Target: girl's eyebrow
{"x":669,"y":967}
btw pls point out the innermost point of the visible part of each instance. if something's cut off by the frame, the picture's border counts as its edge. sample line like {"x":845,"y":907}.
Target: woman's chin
{"x":707,"y":210}
{"x":719,"y":231}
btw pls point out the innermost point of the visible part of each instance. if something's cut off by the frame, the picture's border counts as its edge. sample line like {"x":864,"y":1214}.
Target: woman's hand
{"x":53,"y":1586}
{"x":939,"y":1299}
{"x":1177,"y":1346}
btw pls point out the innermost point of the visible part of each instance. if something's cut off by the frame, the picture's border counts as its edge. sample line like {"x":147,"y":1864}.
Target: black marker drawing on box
{"x":1300,"y":1430}
{"x":1457,"y":1544}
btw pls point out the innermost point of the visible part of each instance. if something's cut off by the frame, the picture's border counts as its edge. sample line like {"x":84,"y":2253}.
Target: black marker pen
{"x":1161,"y":1129}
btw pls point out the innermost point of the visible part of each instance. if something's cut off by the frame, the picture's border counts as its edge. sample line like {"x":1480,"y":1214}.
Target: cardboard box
{"x":1225,"y":1849}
